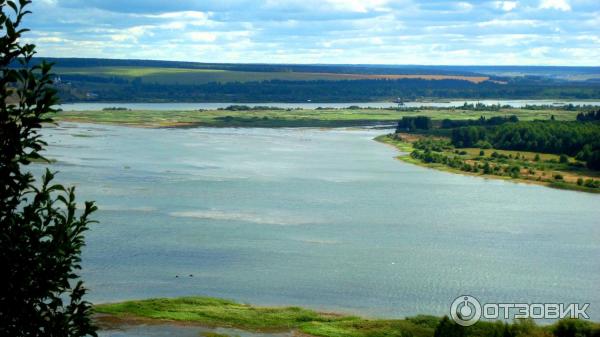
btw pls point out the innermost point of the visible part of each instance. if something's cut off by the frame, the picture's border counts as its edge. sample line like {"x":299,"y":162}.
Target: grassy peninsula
{"x":518,"y":166}
{"x":214,"y":312}
{"x":561,"y":154}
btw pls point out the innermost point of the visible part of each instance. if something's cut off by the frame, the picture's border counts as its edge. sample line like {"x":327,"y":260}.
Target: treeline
{"x":413,"y":123}
{"x":482,"y":121}
{"x":572,"y":138}
{"x":115,"y":90}
{"x":589,"y":116}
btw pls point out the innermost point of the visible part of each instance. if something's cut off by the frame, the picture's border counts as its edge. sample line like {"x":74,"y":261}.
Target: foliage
{"x":41,"y":234}
{"x":482,"y":121}
{"x":414,"y":123}
{"x":432,"y":144}
{"x":299,"y":87}
{"x":589,"y":116}
{"x":225,"y":313}
{"x":571,"y":138}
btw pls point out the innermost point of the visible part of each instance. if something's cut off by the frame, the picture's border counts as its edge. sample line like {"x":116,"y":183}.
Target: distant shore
{"x":242,"y":116}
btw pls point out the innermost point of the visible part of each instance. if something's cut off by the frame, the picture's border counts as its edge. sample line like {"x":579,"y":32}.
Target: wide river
{"x":326,"y":219}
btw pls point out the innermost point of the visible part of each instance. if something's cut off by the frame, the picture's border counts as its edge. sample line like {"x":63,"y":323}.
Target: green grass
{"x":163,"y":75}
{"x":223,"y":313}
{"x":292,"y":118}
{"x":542,"y":171}
{"x":188,"y":76}
{"x":215,"y":312}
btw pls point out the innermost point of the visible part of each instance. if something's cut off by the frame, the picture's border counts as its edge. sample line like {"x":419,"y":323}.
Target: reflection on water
{"x":323,"y":219}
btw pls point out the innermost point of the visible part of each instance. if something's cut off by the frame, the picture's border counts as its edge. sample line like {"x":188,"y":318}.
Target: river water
{"x":326,"y":219}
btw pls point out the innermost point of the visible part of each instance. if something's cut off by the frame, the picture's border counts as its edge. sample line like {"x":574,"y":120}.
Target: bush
{"x":591,"y":183}
{"x":484,"y":144}
{"x":572,"y":328}
{"x":41,"y":233}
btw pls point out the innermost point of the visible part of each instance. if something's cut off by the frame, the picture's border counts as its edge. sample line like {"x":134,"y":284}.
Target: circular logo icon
{"x":465,"y":310}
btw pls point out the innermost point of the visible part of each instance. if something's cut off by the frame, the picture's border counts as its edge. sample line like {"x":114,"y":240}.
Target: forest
{"x":95,"y":88}
{"x":578,"y":139}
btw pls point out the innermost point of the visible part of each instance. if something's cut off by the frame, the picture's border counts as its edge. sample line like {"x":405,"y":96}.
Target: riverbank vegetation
{"x":245,"y":116}
{"x":562,"y":154}
{"x":214,"y":312}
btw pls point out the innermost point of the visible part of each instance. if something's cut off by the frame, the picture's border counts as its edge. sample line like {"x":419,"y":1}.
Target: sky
{"x":432,"y":32}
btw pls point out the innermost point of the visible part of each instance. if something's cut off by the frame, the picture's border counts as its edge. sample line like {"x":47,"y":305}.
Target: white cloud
{"x":202,"y":36}
{"x":181,"y":15}
{"x":360,"y":6}
{"x":509,"y":23}
{"x":465,"y":6}
{"x":506,"y":6}
{"x":561,"y":5}
{"x":299,"y":31}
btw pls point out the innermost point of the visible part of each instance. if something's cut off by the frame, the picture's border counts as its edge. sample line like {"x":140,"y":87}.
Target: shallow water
{"x":322,"y":219}
{"x":310,"y":105}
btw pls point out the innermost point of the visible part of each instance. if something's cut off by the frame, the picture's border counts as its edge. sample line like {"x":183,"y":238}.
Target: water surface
{"x":326,"y":219}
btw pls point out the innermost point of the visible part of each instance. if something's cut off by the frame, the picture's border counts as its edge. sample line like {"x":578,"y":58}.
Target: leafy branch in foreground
{"x":41,"y":231}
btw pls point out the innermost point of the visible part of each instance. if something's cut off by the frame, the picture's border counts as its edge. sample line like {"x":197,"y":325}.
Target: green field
{"x":191,"y":76}
{"x":214,"y":312}
{"x":186,"y":76}
{"x":292,"y":118}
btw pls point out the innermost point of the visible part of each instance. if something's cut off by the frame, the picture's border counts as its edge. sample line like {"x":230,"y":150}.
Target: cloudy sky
{"x":516,"y":32}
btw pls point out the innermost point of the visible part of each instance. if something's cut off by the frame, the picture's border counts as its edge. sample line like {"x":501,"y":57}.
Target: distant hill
{"x":83,"y":79}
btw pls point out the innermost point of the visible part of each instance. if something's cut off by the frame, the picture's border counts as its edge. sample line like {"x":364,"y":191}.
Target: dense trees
{"x":496,"y":120}
{"x":115,"y":89}
{"x":413,"y":123}
{"x":589,"y":116}
{"x":572,"y":138}
{"x":41,"y":232}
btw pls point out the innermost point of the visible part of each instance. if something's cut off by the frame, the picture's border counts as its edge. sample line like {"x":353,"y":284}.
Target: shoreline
{"x":213,"y":313}
{"x":405,"y":149}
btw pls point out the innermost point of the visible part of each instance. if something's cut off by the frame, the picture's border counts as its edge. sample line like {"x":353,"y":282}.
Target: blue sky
{"x":532,"y":32}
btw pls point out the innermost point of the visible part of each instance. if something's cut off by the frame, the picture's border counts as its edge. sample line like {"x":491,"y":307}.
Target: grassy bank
{"x":223,"y":313}
{"x":293,"y":117}
{"x":518,"y":166}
